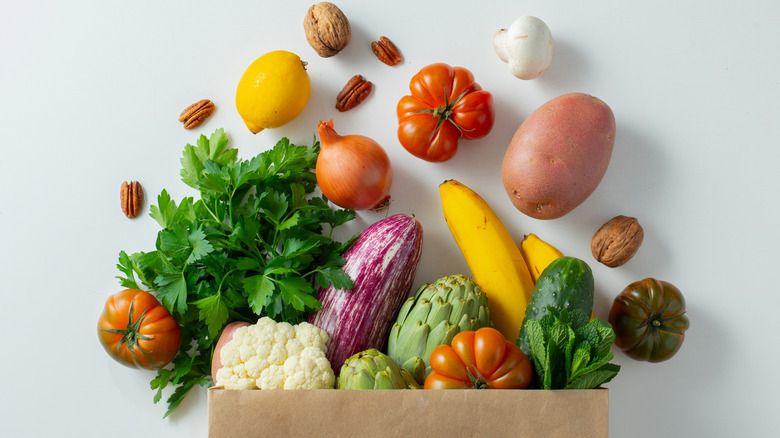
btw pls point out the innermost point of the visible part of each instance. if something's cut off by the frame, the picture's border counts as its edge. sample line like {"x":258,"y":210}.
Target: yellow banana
{"x":538,"y":254}
{"x":494,"y":259}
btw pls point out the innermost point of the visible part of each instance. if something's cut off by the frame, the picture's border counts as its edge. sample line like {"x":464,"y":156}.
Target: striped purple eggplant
{"x":382,"y":264}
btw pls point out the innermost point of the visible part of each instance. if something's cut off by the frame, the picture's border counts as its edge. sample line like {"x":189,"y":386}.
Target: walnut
{"x":327,"y":29}
{"x":617,"y":241}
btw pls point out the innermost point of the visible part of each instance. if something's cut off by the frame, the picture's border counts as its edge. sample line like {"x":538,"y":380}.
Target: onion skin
{"x":353,"y":171}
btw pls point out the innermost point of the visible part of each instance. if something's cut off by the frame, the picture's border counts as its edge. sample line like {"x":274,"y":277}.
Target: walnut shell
{"x":327,"y":29}
{"x":617,"y":241}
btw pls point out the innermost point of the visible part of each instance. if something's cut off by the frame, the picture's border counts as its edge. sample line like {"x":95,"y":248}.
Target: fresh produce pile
{"x":248,"y":289}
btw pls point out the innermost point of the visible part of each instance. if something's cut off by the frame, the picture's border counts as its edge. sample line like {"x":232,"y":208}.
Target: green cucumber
{"x":567,"y":283}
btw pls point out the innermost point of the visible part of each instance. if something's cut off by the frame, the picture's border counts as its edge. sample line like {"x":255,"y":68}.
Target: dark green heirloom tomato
{"x":649,"y":320}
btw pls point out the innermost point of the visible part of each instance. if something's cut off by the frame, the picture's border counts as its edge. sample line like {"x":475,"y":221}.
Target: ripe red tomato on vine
{"x":445,"y":105}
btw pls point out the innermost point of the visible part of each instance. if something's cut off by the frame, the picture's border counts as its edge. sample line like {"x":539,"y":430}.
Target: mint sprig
{"x":570,"y":352}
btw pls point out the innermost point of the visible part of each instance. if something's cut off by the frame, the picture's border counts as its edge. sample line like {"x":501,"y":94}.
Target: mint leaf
{"x":580,"y":358}
{"x":606,"y":336}
{"x":589,"y":333}
{"x":559,"y":335}
{"x":578,"y":318}
{"x":537,"y":345}
{"x":551,"y":367}
{"x":596,"y":362}
{"x":596,"y":378}
{"x":567,"y":354}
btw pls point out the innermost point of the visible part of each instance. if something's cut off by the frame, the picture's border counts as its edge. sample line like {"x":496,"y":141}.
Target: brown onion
{"x":353,"y":171}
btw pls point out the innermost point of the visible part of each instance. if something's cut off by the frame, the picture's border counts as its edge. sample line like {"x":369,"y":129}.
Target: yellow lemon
{"x":273,"y":91}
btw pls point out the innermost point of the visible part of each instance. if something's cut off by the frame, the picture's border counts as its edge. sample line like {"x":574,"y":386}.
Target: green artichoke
{"x":433,"y":317}
{"x":372,"y":369}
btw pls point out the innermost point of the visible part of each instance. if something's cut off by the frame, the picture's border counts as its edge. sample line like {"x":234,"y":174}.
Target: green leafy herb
{"x":570,"y":352}
{"x":256,"y":243}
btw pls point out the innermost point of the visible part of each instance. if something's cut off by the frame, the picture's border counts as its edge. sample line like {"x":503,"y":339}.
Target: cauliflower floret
{"x":271,"y":378}
{"x":294,"y":347}
{"x":312,"y":336}
{"x":309,"y":370}
{"x":271,"y":355}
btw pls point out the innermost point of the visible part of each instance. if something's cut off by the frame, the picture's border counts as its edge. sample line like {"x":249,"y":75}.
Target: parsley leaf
{"x":259,"y":289}
{"x":213,"y":311}
{"x":257,"y":242}
{"x":208,"y":149}
{"x":164,"y":211}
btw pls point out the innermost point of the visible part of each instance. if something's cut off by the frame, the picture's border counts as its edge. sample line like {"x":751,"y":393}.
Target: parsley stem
{"x":214,"y":216}
{"x":221,"y":281}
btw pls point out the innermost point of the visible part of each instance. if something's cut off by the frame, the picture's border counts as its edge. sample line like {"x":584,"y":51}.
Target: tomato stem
{"x":657,"y":323}
{"x":444,"y":112}
{"x":477,"y":380}
{"x":130,"y":334}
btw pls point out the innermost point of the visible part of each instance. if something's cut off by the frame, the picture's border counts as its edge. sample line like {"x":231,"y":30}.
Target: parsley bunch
{"x":569,"y":351}
{"x":255,"y":244}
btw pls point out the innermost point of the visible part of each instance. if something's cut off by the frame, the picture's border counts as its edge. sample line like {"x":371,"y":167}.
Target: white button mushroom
{"x":527,"y":46}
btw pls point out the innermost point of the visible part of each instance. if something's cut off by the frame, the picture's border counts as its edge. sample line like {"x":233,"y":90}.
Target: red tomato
{"x":137,"y":331}
{"x":479,"y":359}
{"x":445,"y":105}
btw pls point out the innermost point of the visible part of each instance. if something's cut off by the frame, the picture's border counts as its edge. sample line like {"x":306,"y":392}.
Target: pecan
{"x":617,"y":241}
{"x":354,"y":92}
{"x":131,"y":196}
{"x":195,"y":114}
{"x":386,"y":51}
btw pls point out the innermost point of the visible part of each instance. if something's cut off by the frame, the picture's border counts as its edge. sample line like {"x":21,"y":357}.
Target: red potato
{"x":224,"y":338}
{"x":559,"y":155}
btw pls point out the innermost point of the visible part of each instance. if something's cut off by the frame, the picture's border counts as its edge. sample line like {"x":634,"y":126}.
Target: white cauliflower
{"x":271,"y":355}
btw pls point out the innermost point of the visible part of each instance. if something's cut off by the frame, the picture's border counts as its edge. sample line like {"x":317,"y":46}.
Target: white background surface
{"x":91,"y":92}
